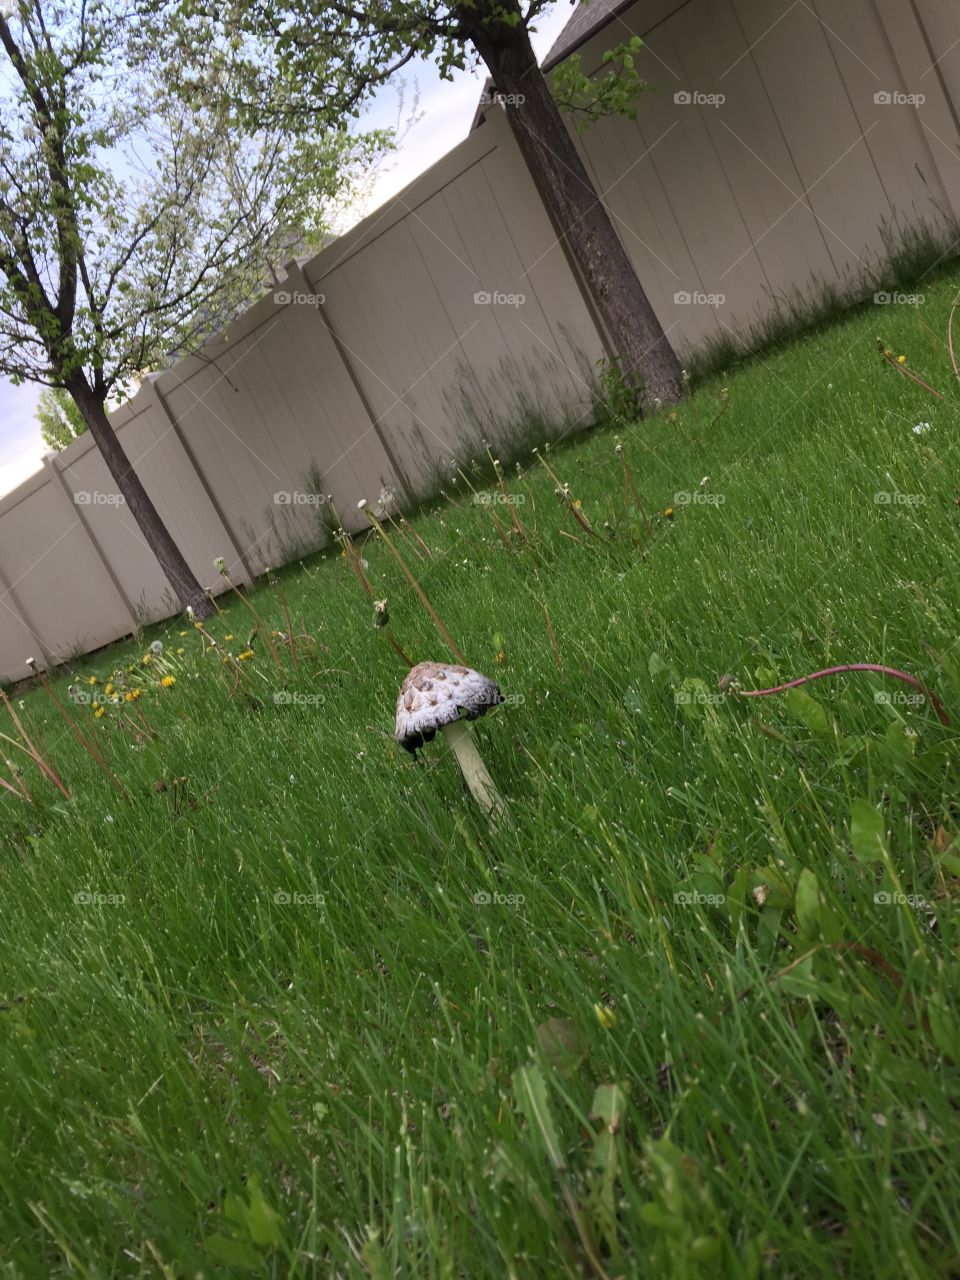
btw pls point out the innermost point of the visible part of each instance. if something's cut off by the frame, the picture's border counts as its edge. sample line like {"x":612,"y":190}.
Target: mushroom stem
{"x":482,"y":787}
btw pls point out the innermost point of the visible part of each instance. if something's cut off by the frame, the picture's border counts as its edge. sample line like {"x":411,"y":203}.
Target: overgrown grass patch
{"x":290,"y":1005}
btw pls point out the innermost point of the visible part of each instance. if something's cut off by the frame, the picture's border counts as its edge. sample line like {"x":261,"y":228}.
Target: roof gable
{"x":587,"y":18}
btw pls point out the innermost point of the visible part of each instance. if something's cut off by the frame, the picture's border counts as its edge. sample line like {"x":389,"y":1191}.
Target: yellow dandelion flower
{"x":100,"y":711}
{"x":668,"y":512}
{"x":577,"y":504}
{"x":500,"y":658}
{"x":605,"y":1016}
{"x":129,"y":669}
{"x":147,"y":659}
{"x":92,"y":680}
{"x":133,"y":694}
{"x":887,"y":352}
{"x":181,"y":652}
{"x":901,"y":359}
{"x":228,"y":638}
{"x":168,"y":681}
{"x":198,"y":626}
{"x":108,"y":689}
{"x":245,"y":656}
{"x":183,"y":633}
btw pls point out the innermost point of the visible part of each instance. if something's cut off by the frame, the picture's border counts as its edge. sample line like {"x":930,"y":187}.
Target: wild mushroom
{"x":439,"y":695}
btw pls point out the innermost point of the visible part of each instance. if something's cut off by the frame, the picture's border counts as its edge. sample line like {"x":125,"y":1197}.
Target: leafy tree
{"x":60,"y":419}
{"x":132,"y":226}
{"x":300,"y":61}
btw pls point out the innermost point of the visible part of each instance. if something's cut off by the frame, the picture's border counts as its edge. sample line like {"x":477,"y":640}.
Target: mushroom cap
{"x":438,"y":693}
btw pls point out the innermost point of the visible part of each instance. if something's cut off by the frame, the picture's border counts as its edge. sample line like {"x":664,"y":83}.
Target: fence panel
{"x":437,"y":303}
{"x":275,"y":423}
{"x":56,"y":575}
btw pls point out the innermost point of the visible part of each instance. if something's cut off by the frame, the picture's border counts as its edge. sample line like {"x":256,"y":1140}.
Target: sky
{"x":445,"y":111}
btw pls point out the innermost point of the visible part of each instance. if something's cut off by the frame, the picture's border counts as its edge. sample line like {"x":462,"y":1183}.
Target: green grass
{"x":383,"y":1076}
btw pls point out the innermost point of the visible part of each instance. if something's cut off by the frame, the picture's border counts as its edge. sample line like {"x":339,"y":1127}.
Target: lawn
{"x":278,"y":999}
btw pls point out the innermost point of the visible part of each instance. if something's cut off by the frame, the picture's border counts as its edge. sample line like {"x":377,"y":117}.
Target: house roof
{"x":586,"y":20}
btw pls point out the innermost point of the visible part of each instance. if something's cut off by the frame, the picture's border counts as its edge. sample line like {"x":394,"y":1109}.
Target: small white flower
{"x":920,"y":428}
{"x":156,"y":647}
{"x":362,"y":504}
{"x":220,"y":564}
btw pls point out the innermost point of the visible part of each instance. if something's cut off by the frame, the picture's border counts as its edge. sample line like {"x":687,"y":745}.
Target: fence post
{"x":295,"y":271}
{"x":201,"y":476}
{"x":7,"y":591}
{"x":59,"y":479}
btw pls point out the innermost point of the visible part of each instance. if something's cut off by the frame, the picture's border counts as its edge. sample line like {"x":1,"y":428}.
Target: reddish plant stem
{"x":427,"y":551}
{"x":88,"y":745}
{"x":28,"y":747}
{"x":405,"y":537}
{"x":855,"y":666}
{"x":421,"y":594}
{"x":13,"y":790}
{"x":953,"y":358}
{"x":908,"y":373}
{"x":261,"y":625}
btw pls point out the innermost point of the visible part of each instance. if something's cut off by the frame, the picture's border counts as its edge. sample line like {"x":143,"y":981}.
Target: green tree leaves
{"x":615,"y":92}
{"x":60,"y":420}
{"x":134,"y":220}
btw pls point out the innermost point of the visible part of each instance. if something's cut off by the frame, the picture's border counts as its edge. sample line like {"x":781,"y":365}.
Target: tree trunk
{"x":178,"y":573}
{"x":647,"y":360}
